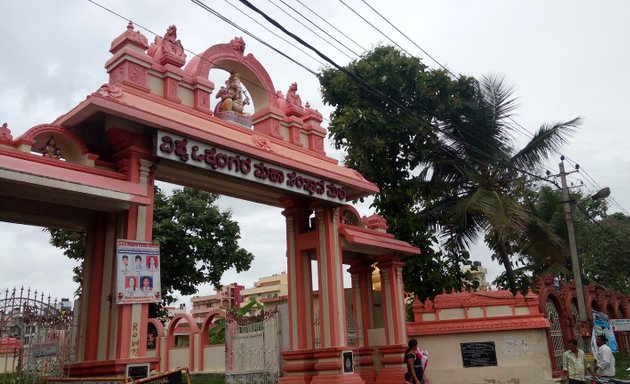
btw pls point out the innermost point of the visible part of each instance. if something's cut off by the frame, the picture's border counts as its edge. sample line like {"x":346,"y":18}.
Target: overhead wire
{"x":372,"y":25}
{"x":332,"y":26}
{"x":387,"y":98}
{"x":408,"y":38}
{"x":596,"y":222}
{"x":519,"y":126}
{"x":276,"y":34}
{"x":216,"y":65}
{"x":597,"y":186}
{"x":245,"y":31}
{"x":363,"y":84}
{"x":309,"y":29}
{"x":515,"y":168}
{"x":320,"y":28}
{"x":199,"y":3}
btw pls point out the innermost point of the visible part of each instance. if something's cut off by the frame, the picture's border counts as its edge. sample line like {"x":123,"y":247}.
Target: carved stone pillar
{"x":363,"y":300}
{"x":363,"y":306}
{"x":301,"y":333}
{"x":394,"y":321}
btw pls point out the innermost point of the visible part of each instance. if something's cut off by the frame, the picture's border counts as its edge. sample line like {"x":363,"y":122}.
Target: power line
{"x":313,"y":32}
{"x":335,"y":28}
{"x":318,"y":27}
{"x":521,"y":128}
{"x":275,"y":34}
{"x":605,"y":230}
{"x":408,"y":38}
{"x":372,"y":25}
{"x":369,"y":88}
{"x":597,"y":187}
{"x":270,"y":93}
{"x":378,"y":94}
{"x":245,"y":31}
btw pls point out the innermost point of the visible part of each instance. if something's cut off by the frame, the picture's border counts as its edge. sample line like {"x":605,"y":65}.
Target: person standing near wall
{"x":605,"y":358}
{"x":574,"y":364}
{"x":414,"y":362}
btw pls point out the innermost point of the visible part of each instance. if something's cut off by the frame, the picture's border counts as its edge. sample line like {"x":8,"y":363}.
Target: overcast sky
{"x":565,"y":59}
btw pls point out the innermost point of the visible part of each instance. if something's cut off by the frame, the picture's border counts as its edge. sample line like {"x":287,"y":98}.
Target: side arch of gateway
{"x":94,"y":168}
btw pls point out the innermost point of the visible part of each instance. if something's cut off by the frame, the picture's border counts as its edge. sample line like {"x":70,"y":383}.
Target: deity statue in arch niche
{"x":51,"y":149}
{"x":233,"y":97}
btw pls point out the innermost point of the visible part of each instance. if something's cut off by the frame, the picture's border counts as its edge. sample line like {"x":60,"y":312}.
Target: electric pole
{"x":583,"y":325}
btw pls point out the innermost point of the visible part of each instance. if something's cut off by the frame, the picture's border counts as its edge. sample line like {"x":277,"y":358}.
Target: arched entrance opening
{"x":557,"y":339}
{"x":154,"y":121}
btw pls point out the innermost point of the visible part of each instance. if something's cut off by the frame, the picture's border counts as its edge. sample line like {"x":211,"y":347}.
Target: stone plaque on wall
{"x":479,"y":354}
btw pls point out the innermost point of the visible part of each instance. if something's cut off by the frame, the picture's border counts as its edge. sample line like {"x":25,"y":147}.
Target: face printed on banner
{"x":147,"y":284}
{"x":131,"y":283}
{"x":152,"y":263}
{"x":139,"y":265}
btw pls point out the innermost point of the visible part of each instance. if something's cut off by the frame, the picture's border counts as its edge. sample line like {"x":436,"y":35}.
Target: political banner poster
{"x":138,"y":272}
{"x":601,"y":326}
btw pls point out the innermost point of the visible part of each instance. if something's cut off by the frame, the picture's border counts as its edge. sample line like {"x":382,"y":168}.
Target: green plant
{"x":622,"y":362}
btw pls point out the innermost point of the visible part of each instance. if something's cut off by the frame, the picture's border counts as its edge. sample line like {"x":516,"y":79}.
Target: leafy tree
{"x":476,"y":186}
{"x":546,"y":205}
{"x":441,"y":152}
{"x":73,"y":245}
{"x":601,"y":239}
{"x":217,"y":332}
{"x":198,"y":242}
{"x":605,"y":253}
{"x":387,"y":140}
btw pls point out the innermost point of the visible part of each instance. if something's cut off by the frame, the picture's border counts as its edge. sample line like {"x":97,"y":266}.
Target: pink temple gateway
{"x":159,"y":117}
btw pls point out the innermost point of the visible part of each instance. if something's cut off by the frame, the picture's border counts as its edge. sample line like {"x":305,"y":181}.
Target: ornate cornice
{"x":477,"y":325}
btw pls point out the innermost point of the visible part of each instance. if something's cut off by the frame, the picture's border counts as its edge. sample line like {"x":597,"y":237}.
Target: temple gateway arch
{"x":156,"y":118}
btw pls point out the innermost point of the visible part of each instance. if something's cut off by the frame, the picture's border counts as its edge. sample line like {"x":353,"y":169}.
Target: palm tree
{"x":476,"y":181}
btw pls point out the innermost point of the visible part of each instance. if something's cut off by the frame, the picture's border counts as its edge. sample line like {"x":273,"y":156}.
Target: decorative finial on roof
{"x":375,"y":222}
{"x":168,"y":49}
{"x":292,"y":97}
{"x":5,"y":133}
{"x":531,"y":295}
{"x":238,"y":45}
{"x":136,"y":39}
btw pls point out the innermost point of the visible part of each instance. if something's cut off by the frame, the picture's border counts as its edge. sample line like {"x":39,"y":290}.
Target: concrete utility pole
{"x":583,"y":325}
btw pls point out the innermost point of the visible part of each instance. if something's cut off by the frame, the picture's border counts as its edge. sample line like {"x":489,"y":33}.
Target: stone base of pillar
{"x":106,"y":368}
{"x":393,"y":361}
{"x":298,"y":379}
{"x":391,"y":375}
{"x":348,"y":378}
{"x":367,"y":371}
{"x":317,"y":366}
{"x":368,"y":375}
